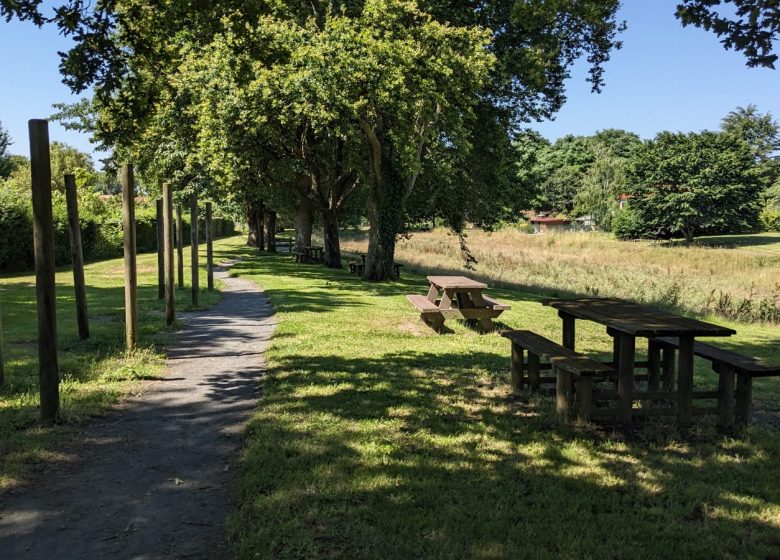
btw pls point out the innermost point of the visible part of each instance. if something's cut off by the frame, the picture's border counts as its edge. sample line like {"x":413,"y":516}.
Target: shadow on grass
{"x":407,"y":456}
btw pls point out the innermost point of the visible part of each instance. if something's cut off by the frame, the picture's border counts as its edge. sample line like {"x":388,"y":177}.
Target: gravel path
{"x":152,"y":478}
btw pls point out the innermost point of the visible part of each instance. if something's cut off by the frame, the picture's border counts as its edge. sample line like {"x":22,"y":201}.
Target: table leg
{"x":625,"y":385}
{"x":533,"y":372}
{"x":653,"y":366}
{"x":668,"y":368}
{"x":685,"y":381}
{"x":744,"y":399}
{"x":568,"y":329}
{"x":725,"y":396}
{"x":446,"y":300}
{"x":562,"y":393}
{"x":517,"y":368}
{"x":433,"y":292}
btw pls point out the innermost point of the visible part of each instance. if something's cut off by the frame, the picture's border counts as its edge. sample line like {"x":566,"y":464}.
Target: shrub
{"x":627,"y":224}
{"x":770,"y":219}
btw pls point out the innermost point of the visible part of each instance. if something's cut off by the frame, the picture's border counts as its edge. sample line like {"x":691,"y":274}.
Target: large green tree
{"x":694,"y":183}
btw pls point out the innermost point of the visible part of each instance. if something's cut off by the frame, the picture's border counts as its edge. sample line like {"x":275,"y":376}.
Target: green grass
{"x":767,"y":244}
{"x":94,"y":373}
{"x":377,"y":439}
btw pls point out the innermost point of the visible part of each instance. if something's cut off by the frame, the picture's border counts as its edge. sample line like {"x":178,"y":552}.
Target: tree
{"x":603,"y":183}
{"x":6,"y":163}
{"x":750,"y":27}
{"x":694,"y":183}
{"x":762,"y":134}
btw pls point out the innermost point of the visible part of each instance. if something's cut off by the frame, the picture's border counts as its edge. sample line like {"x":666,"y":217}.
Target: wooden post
{"x":180,"y":246}
{"x":77,"y":256}
{"x":562,"y":393}
{"x":131,"y":273}
{"x":43,"y":237}
{"x":533,"y":372}
{"x":725,"y":396}
{"x":194,"y":248}
{"x":160,"y":255}
{"x":568,"y":329}
{"x":744,"y":404}
{"x":653,"y":366}
{"x":625,"y":388}
{"x":668,"y":368}
{"x":209,"y":249}
{"x":517,"y":368}
{"x":685,"y":381}
{"x":170,"y":295}
{"x":584,"y":397}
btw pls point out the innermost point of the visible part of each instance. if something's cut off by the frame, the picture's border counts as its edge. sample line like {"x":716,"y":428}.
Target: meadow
{"x":376,"y":438}
{"x":95,"y":373}
{"x":734,"y":277}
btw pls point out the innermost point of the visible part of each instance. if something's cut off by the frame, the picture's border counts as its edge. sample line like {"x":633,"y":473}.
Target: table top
{"x":635,"y":319}
{"x":456,"y":282}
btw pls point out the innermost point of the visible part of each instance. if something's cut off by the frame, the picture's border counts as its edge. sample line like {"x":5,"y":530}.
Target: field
{"x":94,"y":373}
{"x":376,"y":438}
{"x":735,"y":277}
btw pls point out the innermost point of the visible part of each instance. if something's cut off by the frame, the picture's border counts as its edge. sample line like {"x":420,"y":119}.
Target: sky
{"x":665,"y":77}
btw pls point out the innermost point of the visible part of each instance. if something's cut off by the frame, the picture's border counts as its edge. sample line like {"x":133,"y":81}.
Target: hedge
{"x":101,"y":235}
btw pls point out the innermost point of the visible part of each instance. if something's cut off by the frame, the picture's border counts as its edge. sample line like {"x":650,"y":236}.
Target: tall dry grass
{"x":732,"y":283}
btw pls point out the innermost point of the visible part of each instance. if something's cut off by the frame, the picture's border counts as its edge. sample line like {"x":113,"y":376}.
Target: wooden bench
{"x":357,"y":268}
{"x":732,"y":405}
{"x":429,"y":311}
{"x":300,"y":256}
{"x":574,"y":372}
{"x":495,"y":304}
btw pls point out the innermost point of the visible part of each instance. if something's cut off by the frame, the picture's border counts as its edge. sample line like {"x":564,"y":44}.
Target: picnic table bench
{"x":461,"y":298}
{"x":570,"y":369}
{"x":287,"y":242}
{"x":627,"y":321}
{"x":358,"y":268}
{"x":730,"y":367}
{"x":307,"y":254}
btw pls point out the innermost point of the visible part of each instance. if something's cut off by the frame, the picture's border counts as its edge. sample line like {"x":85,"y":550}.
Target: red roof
{"x":550,"y":220}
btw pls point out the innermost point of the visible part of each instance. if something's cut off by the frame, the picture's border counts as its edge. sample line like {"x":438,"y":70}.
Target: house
{"x":545,"y":224}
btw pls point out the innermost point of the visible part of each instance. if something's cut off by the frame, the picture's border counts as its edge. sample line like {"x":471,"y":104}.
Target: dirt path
{"x":152,"y":478}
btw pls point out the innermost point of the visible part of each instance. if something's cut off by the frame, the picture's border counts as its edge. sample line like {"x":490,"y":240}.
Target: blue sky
{"x":664,"y":78}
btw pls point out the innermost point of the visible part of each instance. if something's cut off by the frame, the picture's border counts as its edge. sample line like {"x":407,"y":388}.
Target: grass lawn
{"x":94,"y":373}
{"x":376,"y":438}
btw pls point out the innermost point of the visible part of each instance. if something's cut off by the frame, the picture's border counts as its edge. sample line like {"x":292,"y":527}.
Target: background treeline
{"x":675,"y":185}
{"x":100,"y":210}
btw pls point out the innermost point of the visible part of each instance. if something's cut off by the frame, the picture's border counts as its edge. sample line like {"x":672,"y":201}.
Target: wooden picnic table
{"x":309,"y":253}
{"x":457,"y":297}
{"x":627,"y":321}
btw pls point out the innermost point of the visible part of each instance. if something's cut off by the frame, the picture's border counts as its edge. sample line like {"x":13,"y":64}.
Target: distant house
{"x":623,"y":200}
{"x":545,"y":224}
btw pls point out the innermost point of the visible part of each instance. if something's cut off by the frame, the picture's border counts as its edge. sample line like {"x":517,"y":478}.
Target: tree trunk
{"x":386,"y":215}
{"x":270,"y":224}
{"x":330,"y":227}
{"x":304,"y":222}
{"x":254,"y":219}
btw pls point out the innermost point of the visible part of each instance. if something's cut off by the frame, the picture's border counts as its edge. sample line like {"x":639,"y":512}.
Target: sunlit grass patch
{"x":376,"y":440}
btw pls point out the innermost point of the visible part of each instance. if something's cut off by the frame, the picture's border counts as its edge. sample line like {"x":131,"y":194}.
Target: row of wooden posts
{"x":43,"y":232}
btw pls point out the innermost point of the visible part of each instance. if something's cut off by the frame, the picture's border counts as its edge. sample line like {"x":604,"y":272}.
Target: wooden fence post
{"x":131,"y":274}
{"x":180,"y":245}
{"x":160,"y":256}
{"x":209,"y":248}
{"x":43,"y":237}
{"x":194,"y":248}
{"x":77,"y":256}
{"x":170,"y":297}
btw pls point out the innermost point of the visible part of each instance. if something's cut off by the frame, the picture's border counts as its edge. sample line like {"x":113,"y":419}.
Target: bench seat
{"x":574,"y":372}
{"x":495,"y":304}
{"x":755,"y":367}
{"x":733,"y":403}
{"x":422,"y":303}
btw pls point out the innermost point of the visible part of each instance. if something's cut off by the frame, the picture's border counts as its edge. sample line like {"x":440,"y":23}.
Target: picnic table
{"x":358,"y":267}
{"x":309,"y":253}
{"x":457,"y":297}
{"x":627,"y":321}
{"x":285,"y":242}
